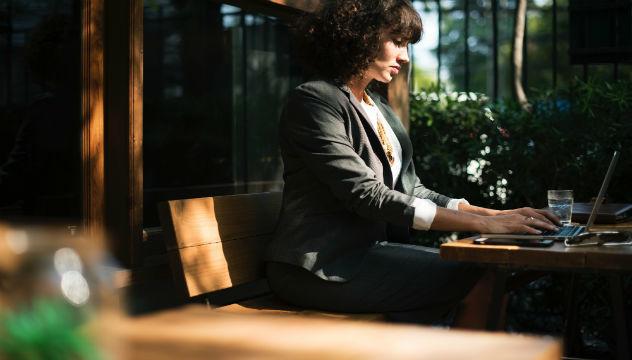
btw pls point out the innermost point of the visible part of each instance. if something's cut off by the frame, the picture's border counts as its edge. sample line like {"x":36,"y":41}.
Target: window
{"x":215,"y":80}
{"x":40,"y":107}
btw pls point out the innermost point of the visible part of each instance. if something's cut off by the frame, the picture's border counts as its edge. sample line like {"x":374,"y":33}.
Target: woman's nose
{"x":402,"y":57}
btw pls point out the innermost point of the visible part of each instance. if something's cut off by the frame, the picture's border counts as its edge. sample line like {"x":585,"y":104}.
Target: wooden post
{"x":124,"y":120}
{"x":92,"y":97}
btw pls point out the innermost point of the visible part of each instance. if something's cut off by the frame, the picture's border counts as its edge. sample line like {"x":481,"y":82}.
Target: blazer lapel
{"x":379,"y":150}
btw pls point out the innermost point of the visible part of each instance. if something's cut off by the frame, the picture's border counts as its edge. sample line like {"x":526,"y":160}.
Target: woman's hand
{"x":483,"y":220}
{"x":515,"y":222}
{"x":542,"y":215}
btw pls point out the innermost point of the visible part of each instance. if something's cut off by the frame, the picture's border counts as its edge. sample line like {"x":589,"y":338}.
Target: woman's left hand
{"x":542,"y":215}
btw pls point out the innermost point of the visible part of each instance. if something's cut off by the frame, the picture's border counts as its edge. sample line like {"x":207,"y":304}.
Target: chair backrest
{"x":218,"y":242}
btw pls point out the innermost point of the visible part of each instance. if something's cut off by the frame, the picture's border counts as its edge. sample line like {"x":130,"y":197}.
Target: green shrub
{"x":501,"y":156}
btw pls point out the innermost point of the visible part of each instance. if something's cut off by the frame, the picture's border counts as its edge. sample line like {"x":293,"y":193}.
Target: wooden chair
{"x":216,"y":247}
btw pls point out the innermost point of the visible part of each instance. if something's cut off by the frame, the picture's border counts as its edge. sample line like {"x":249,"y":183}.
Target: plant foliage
{"x":500,"y":156}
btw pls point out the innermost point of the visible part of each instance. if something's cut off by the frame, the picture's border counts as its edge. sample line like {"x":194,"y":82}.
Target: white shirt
{"x":425,"y":210}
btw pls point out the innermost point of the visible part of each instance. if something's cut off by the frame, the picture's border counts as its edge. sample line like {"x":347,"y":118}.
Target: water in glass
{"x":561,"y":204}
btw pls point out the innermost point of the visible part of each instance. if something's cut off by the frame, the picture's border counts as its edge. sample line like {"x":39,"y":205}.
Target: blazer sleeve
{"x":423,"y":192}
{"x":316,"y":133}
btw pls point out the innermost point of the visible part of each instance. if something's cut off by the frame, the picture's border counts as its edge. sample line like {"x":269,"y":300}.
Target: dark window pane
{"x":215,"y":80}
{"x":40,"y":107}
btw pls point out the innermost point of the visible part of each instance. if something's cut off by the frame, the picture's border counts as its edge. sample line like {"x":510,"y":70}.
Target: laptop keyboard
{"x":564,"y":231}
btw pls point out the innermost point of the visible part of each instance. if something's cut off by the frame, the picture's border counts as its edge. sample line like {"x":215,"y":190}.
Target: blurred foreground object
{"x":196,"y":332}
{"x":54,"y":284}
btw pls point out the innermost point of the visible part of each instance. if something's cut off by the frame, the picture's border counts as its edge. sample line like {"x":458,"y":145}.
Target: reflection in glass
{"x":40,"y":164}
{"x":215,"y":79}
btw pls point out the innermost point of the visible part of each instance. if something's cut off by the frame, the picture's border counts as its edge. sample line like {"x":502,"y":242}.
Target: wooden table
{"x":613,"y":261}
{"x":196,"y":332}
{"x":556,"y":257}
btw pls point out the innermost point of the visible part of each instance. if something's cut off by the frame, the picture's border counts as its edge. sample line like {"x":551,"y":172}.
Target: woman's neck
{"x":358,"y":85}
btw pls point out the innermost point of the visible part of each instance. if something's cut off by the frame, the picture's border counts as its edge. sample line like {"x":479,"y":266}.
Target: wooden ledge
{"x":193,"y":332}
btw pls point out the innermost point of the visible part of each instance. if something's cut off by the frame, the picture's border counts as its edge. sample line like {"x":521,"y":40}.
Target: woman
{"x":351,"y":194}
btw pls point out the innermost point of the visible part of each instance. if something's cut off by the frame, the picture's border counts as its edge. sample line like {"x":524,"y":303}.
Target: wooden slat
{"x":193,"y":222}
{"x":220,"y":265}
{"x":216,"y":243}
{"x":196,"y":333}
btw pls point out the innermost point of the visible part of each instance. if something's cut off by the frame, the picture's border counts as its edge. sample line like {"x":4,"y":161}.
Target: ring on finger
{"x":529,"y":218}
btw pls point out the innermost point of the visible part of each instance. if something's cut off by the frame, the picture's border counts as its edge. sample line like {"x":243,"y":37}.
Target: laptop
{"x":569,"y":231}
{"x":610,"y":213}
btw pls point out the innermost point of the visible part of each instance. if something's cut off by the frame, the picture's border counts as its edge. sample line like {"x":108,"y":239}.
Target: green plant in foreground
{"x":48,"y":329}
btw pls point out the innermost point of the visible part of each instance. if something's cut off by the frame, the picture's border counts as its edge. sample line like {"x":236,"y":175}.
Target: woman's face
{"x":393,"y":53}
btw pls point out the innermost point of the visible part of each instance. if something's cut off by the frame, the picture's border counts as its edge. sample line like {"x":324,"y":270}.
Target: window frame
{"x":112,"y":115}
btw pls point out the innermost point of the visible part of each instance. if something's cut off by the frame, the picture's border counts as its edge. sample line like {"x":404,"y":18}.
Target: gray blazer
{"x":339,"y":198}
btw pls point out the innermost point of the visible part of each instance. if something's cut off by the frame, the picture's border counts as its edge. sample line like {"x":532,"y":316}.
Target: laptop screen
{"x":602,"y":191}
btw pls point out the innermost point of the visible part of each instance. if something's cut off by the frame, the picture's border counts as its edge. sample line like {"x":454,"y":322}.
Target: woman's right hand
{"x":514,"y":223}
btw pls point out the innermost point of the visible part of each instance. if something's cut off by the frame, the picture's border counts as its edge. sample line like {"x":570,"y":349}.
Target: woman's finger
{"x":550,"y":216}
{"x":536,"y":214}
{"x":537,"y":223}
{"x":542,"y":215}
{"x":529,"y":230}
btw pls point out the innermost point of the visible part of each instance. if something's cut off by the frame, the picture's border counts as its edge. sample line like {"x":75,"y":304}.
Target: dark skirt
{"x":408,"y":283}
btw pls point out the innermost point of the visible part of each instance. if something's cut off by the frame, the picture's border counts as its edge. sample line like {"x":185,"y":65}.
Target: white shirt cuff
{"x":425,"y":211}
{"x":454,"y":204}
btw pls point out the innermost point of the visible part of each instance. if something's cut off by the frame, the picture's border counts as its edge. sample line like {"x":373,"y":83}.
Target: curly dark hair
{"x":340,"y":40}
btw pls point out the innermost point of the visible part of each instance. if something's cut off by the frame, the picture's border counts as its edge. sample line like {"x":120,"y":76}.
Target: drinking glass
{"x":561,"y":204}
